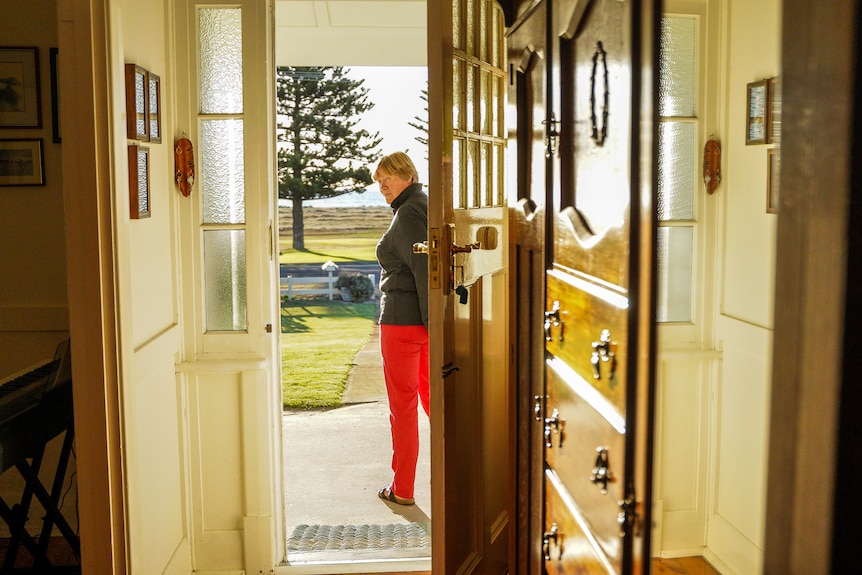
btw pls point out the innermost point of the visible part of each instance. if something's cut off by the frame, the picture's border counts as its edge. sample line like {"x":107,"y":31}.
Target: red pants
{"x":405,"y":368}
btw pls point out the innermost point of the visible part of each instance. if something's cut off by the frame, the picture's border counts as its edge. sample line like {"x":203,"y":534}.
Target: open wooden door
{"x":468,"y":253}
{"x":599,"y":332}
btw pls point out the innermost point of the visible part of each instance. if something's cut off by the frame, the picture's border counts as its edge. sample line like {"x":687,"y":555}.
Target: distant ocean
{"x":370,"y":197}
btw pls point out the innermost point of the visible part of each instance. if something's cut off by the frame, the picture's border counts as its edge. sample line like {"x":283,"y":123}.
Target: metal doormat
{"x":357,"y":537}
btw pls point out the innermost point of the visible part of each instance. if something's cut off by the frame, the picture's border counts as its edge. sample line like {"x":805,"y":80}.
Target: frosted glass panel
{"x":674,"y":274}
{"x":677,"y":66}
{"x":221,"y":172}
{"x":220,"y":41}
{"x":225,"y":282}
{"x":676,"y":171}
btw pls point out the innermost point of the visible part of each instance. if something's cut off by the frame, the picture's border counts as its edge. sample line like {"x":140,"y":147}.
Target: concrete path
{"x":336,"y":460}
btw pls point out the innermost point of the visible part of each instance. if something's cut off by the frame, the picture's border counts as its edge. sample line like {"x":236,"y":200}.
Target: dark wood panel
{"x":575,"y":456}
{"x":570,"y":548}
{"x":582,"y":318}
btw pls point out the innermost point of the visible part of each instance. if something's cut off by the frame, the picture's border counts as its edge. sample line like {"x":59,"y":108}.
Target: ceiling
{"x":350,"y":33}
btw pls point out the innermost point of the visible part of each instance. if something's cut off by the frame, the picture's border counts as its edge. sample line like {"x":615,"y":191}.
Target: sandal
{"x":387,"y":494}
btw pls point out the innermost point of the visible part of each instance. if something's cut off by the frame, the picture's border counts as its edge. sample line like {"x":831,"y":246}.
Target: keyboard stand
{"x":25,"y":437}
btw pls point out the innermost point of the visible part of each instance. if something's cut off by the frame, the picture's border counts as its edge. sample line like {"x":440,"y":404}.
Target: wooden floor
{"x":683,"y":566}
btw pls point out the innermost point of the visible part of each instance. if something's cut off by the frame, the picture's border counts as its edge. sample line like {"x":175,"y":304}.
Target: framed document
{"x":758,"y":116}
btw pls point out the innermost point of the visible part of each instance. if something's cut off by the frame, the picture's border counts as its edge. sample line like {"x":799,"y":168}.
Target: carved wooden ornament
{"x":184,"y":164}
{"x":711,"y":164}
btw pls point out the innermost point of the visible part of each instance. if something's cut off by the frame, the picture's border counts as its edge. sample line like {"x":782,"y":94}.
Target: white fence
{"x":319,"y":285}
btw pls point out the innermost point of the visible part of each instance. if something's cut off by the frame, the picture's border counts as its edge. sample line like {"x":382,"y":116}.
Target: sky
{"x":396,"y":93}
{"x":397,"y":96}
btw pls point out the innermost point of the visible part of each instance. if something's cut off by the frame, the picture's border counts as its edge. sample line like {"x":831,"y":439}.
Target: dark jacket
{"x":404,"y":277}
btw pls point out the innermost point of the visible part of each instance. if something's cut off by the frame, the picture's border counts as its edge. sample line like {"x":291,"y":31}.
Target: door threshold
{"x":355,"y":565}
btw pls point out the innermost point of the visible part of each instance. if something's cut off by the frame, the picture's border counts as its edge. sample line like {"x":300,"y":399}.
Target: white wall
{"x":744,"y":327}
{"x":147,"y":270}
{"x":33,"y":305}
{"x":713,"y":398}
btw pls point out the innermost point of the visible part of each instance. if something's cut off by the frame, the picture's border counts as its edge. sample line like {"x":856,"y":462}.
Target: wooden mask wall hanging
{"x":184,"y":164}
{"x":711,"y":164}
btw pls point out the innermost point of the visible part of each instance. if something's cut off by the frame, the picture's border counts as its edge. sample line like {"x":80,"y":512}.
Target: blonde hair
{"x":397,"y":164}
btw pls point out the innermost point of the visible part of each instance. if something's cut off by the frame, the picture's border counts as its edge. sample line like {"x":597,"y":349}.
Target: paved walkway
{"x":336,"y":460}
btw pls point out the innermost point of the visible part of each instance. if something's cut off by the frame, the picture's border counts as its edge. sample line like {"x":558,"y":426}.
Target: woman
{"x":403,"y":318}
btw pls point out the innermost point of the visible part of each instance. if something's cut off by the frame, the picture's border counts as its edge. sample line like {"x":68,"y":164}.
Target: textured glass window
{"x":677,"y":66}
{"x":220,"y":41}
{"x":457,"y":23}
{"x":676,"y":171}
{"x":221,"y":172}
{"x":459,"y":199}
{"x":485,"y":101}
{"x":471,"y":96}
{"x":471,"y":26}
{"x":485,"y":174}
{"x":674,"y":274}
{"x":224,"y":268}
{"x":472,"y":172}
{"x":457,"y":94}
{"x":483,"y":30}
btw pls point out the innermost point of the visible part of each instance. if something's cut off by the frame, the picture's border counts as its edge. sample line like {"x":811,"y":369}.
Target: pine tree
{"x":421,"y":123}
{"x":321,"y":151}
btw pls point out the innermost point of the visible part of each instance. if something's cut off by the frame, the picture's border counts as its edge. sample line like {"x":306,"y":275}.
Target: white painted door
{"x":225,"y":106}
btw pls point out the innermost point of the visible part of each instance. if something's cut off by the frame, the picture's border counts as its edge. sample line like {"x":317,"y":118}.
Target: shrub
{"x":359,"y":285}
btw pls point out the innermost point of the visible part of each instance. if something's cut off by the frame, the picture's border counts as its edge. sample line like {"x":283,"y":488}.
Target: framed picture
{"x":773,"y":161}
{"x":139,"y":182}
{"x":155,"y":108}
{"x":55,"y":101}
{"x":757,"y":117}
{"x":137,"y":103}
{"x":21,"y":163}
{"x":773,"y":133}
{"x":20,"y":103}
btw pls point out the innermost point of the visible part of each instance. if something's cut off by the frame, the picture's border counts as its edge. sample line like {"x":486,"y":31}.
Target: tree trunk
{"x":298,"y":225}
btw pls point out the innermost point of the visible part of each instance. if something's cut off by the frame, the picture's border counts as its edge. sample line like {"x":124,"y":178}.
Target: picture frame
{"x":154,"y":107}
{"x":137,"y":103}
{"x":773,"y":134}
{"x":21,"y":162}
{"x":54,"y":59}
{"x":773,"y":179}
{"x":139,"y":182}
{"x":20,"y":98}
{"x":757,"y":117}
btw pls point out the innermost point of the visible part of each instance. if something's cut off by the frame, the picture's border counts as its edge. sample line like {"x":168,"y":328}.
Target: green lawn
{"x":335,"y":247}
{"x":319,"y":339}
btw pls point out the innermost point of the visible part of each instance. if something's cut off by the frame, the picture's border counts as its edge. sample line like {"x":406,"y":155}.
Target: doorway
{"x":337,"y":457}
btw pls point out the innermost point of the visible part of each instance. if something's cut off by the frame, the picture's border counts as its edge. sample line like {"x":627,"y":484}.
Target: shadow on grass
{"x":330,"y":256}
{"x":296,"y":313}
